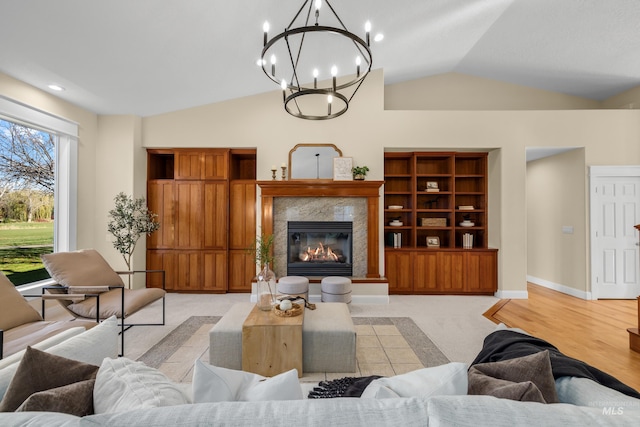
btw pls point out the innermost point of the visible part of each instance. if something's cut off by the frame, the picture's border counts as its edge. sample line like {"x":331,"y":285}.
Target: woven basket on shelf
{"x":434,"y":222}
{"x":295,"y":310}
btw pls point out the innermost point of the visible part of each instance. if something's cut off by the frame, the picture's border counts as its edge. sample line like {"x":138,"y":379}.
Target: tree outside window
{"x":27,"y":182}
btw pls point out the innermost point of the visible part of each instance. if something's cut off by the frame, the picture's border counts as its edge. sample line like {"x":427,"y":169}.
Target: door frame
{"x":595,"y":173}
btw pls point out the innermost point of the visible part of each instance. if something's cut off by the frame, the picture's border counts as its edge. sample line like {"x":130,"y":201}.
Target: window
{"x":64,"y":155}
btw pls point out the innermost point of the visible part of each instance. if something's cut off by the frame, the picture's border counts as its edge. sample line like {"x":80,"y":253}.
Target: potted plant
{"x":129,"y":220}
{"x":266,"y":283}
{"x":359,"y":172}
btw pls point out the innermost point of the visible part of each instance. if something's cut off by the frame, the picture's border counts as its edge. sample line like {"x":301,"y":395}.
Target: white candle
{"x":284,"y":165}
{"x":273,"y":167}
{"x":285,"y":305}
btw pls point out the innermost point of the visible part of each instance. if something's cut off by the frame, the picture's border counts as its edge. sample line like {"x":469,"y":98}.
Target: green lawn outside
{"x":21,"y":245}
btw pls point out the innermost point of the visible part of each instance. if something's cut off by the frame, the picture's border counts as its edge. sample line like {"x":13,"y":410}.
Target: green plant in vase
{"x":359,"y":172}
{"x":266,"y":283}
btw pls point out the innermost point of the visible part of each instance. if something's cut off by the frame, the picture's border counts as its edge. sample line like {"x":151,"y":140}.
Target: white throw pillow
{"x":123,"y":385}
{"x":449,"y":379}
{"x":215,"y":384}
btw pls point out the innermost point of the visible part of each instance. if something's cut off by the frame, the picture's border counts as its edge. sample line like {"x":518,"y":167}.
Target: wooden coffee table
{"x":271,"y":344}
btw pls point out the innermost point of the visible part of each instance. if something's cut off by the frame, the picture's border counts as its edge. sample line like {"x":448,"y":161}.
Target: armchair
{"x":88,"y":288}
{"x":21,"y":325}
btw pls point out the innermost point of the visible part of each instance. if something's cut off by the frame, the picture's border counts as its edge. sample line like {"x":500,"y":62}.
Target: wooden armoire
{"x":205,"y":200}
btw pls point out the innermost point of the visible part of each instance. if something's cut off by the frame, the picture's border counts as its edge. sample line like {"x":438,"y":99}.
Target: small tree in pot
{"x":129,"y":220}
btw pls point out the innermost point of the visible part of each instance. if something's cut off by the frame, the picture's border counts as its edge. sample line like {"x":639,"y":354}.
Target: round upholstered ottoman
{"x":294,"y":285}
{"x":336,"y":289}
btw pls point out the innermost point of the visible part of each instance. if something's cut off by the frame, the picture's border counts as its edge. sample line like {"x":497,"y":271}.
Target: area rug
{"x":175,"y":339}
{"x":427,"y":352}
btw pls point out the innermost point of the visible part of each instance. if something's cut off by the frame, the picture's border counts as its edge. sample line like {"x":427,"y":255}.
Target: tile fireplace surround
{"x":350,"y":209}
{"x":312,"y":200}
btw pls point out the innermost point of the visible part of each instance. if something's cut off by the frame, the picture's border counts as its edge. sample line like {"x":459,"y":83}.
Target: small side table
{"x":271,"y":344}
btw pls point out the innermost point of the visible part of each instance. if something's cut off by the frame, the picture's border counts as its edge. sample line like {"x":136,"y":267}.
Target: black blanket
{"x":505,"y":345}
{"x":342,"y":387}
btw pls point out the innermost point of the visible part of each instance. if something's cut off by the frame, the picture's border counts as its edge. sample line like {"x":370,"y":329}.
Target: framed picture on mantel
{"x":342,"y":169}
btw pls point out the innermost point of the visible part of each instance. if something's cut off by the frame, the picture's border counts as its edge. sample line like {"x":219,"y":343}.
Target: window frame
{"x":66,"y":168}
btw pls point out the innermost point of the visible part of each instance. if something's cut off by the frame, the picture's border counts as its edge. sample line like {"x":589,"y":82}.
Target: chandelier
{"x":305,"y":59}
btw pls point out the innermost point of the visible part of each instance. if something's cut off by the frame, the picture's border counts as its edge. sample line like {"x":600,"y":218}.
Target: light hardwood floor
{"x":592,"y":331}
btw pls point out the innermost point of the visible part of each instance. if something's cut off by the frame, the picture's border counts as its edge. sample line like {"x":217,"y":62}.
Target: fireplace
{"x":319,"y":248}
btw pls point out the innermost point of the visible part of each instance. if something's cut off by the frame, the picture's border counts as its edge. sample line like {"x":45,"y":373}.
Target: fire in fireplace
{"x":319,"y":248}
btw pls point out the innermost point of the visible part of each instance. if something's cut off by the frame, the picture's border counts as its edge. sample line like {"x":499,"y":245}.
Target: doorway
{"x":615,"y":210}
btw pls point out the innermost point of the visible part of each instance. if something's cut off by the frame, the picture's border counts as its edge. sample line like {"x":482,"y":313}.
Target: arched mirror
{"x":312,"y":161}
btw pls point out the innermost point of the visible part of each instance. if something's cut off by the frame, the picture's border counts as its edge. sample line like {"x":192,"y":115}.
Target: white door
{"x":615,"y":210}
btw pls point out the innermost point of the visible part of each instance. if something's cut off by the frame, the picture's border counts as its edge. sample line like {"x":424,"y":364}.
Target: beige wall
{"x":628,"y":99}
{"x":608,"y":137}
{"x":120,"y":167}
{"x":454,"y":91}
{"x":556,"y":198}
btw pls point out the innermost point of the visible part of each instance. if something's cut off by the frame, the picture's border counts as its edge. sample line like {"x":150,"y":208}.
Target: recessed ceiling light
{"x":379,"y":37}
{"x":56,"y":87}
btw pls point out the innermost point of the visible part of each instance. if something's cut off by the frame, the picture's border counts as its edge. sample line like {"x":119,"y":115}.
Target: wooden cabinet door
{"x":160,"y":200}
{"x":425,"y":277}
{"x":242,"y":270}
{"x":214,"y":215}
{"x":215,"y":164}
{"x":481,"y":274}
{"x":161,"y":260}
{"x":242,"y":214}
{"x":188,"y":271}
{"x":450,"y":269}
{"x":214,"y":264}
{"x":188,"y":164}
{"x":189,"y":216}
{"x":399,"y":271}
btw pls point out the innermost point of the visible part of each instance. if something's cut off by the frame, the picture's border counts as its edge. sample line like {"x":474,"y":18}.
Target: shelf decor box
{"x":434,"y":222}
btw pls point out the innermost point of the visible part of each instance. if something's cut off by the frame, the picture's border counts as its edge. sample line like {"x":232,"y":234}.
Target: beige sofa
{"x":21,"y":325}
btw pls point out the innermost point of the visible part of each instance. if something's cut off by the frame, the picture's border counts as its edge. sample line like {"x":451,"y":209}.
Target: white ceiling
{"x":147,"y":57}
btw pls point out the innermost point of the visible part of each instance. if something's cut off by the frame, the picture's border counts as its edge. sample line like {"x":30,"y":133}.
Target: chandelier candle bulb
{"x":358,"y":61}
{"x":283,"y":85}
{"x":265,"y":28}
{"x":367,"y":30}
{"x":315,"y":78}
{"x":329,"y":101}
{"x":273,"y":65}
{"x":334,"y":73}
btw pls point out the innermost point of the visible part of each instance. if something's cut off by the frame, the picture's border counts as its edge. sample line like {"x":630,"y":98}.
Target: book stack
{"x":467,"y":241}
{"x":465,"y":208}
{"x":394,"y":240}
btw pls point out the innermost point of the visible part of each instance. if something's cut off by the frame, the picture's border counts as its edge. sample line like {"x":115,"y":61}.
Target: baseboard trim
{"x":512,"y":294}
{"x":560,"y":288}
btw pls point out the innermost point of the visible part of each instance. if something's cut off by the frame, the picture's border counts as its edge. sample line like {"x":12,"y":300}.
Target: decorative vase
{"x":358,"y":177}
{"x":266,"y":289}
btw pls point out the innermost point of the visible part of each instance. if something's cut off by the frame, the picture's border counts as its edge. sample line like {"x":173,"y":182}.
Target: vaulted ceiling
{"x":147,"y":57}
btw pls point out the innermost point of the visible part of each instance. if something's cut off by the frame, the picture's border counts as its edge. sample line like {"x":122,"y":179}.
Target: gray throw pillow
{"x":75,"y":399}
{"x":39,"y":371}
{"x":527,"y":378}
